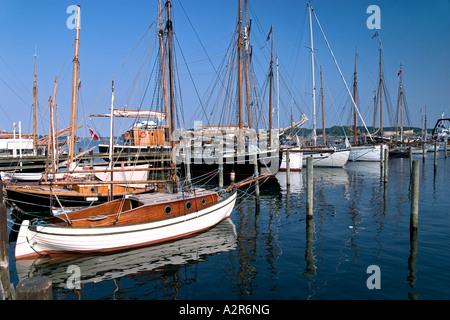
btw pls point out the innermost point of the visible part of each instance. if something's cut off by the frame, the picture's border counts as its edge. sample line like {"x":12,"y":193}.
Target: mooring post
{"x":4,"y":260}
{"x":435,"y":154}
{"x":220,"y":160}
{"x":288,"y":168}
{"x":386,"y":155}
{"x":424,"y":150}
{"x":309,"y":188}
{"x":3,"y":229}
{"x":34,"y":288}
{"x":410,"y":158}
{"x":382,"y":159}
{"x":445,"y":148}
{"x":414,"y":196}
{"x":256,"y":173}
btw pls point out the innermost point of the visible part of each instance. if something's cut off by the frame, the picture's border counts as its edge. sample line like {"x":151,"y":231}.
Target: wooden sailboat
{"x":139,"y":220}
{"x":40,"y":199}
{"x":322,"y":156}
{"x":133,"y":221}
{"x":399,"y":147}
{"x":237,"y":149}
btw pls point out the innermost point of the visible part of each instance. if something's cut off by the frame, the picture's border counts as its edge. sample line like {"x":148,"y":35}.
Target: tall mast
{"x":171,"y":93}
{"x":35,"y":107}
{"x":381,"y":94}
{"x":52,"y":130}
{"x":425,"y":125}
{"x":172,"y":98}
{"x":270,"y":93}
{"x":111,"y":146}
{"x":401,"y":103}
{"x":312,"y":73}
{"x":354,"y":98}
{"x":323,"y":109}
{"x":74,"y":89}
{"x":278,"y":98}
{"x":247,"y":80}
{"x":374,"y":110}
{"x":239,"y":48}
{"x":163,"y":69}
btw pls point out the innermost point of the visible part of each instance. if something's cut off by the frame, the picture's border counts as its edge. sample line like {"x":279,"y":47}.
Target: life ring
{"x":143,"y":134}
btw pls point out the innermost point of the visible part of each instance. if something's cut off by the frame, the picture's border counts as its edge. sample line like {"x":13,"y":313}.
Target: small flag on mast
{"x":93,"y":134}
{"x":268,"y":37}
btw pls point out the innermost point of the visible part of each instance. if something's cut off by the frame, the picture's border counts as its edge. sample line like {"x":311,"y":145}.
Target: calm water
{"x":267,"y":251}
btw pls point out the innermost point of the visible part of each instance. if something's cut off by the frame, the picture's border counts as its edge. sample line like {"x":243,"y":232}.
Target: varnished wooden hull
{"x":40,"y":200}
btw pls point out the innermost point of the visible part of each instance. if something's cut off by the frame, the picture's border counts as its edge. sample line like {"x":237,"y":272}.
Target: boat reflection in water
{"x":98,"y":268}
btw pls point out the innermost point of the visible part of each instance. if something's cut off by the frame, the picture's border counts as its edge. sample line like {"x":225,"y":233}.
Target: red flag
{"x":93,"y":134}
{"x":268,"y":37}
{"x":399,"y":72}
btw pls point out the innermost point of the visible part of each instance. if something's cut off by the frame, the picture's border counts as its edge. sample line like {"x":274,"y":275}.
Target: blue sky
{"x":414,"y":33}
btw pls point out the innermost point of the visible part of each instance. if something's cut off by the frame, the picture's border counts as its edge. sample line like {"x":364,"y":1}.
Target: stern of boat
{"x":23,"y":246}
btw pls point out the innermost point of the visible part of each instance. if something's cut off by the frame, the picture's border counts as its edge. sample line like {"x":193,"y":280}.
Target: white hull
{"x":35,"y":240}
{"x":336,"y":159}
{"x":21,"y":176}
{"x":296,"y":160}
{"x":367,"y":153}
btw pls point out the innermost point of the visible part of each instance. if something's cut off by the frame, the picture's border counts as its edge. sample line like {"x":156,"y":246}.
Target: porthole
{"x":188,"y":205}
{"x":168,"y":210}
{"x":203,"y":201}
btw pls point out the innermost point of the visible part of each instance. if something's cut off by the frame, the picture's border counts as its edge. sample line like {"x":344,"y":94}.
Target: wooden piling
{"x":382,"y":159}
{"x":414,"y":196}
{"x":256,"y":173}
{"x":3,"y":228}
{"x":410,"y":158}
{"x":386,"y":158}
{"x":309,"y":188}
{"x":220,"y":160}
{"x":435,"y":155}
{"x":445,"y":148}
{"x":34,"y":288}
{"x":5,"y":292}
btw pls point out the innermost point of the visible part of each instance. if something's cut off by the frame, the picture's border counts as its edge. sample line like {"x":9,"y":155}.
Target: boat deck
{"x":155,"y":198}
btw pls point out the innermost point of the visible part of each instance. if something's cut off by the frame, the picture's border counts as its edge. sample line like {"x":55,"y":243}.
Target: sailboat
{"x":323,"y":156}
{"x":400,"y":147}
{"x":368,"y":150}
{"x":133,"y":221}
{"x":41,"y":199}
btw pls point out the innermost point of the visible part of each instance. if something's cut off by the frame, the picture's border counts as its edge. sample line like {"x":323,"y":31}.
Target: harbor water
{"x":267,"y":250}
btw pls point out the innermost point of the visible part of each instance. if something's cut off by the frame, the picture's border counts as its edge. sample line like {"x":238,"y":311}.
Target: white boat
{"x":295,"y":160}
{"x":329,"y":157}
{"x":136,"y":221}
{"x":21,"y":176}
{"x":367,"y":153}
